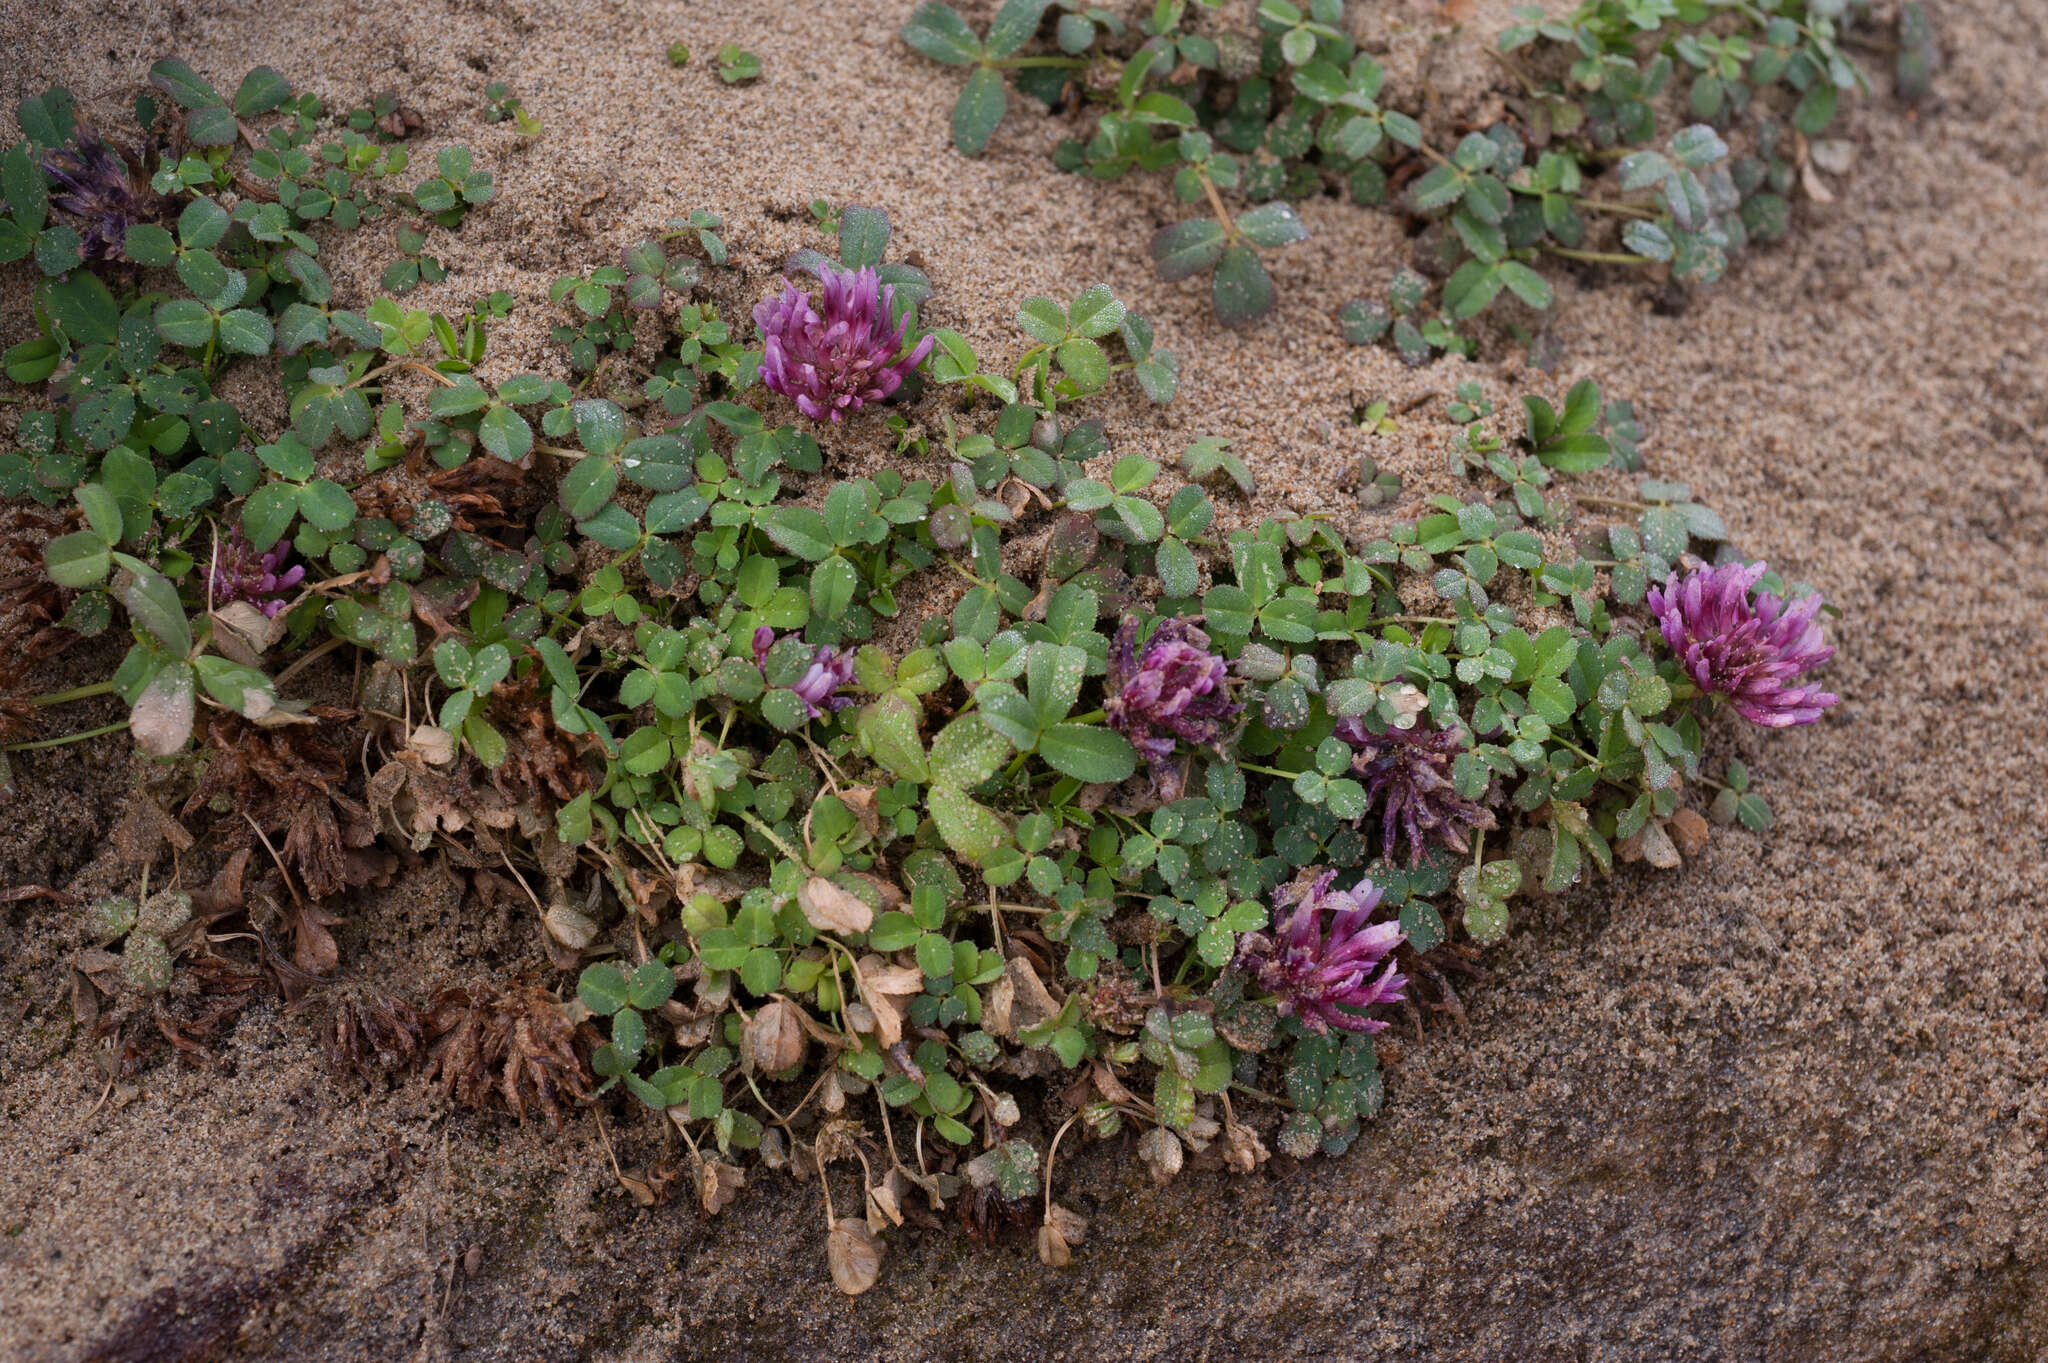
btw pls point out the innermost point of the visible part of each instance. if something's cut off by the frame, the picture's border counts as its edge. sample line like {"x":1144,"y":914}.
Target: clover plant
{"x":906,"y":791}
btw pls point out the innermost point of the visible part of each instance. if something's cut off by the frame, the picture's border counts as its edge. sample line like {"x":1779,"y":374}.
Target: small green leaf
{"x":1241,"y":289}
{"x":1087,"y":753}
{"x":603,"y":988}
{"x":978,"y":111}
{"x":938,"y":31}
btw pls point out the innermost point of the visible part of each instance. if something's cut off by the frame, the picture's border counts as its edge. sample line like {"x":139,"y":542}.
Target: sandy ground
{"x":1788,"y":1103}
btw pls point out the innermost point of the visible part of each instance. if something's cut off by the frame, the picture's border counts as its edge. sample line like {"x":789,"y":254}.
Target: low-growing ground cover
{"x":796,"y":685}
{"x":1152,"y":826}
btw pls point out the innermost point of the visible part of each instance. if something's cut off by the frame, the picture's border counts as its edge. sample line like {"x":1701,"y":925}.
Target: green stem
{"x":68,"y":738}
{"x":75,"y":693}
{"x":1216,"y":203}
{"x":1019,"y":63}
{"x":1621,"y":503}
{"x":1567,"y":743}
{"x":1600,"y":257}
{"x":1092,"y":717}
{"x":1268,"y":771}
{"x":1608,"y":206}
{"x":765,"y":831}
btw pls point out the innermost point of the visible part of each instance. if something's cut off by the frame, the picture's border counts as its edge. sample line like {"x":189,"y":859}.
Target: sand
{"x":1787,"y":1103}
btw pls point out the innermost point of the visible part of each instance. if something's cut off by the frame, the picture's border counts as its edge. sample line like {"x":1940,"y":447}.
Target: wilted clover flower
{"x":1177,"y":692}
{"x":1320,"y":977}
{"x":96,"y":191}
{"x":1408,"y":771}
{"x":829,"y":670}
{"x":835,"y":358}
{"x":239,"y":573}
{"x":1750,"y":652}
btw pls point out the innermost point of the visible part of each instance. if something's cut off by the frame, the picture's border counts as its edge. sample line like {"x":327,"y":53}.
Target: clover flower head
{"x":1176,"y":692}
{"x":239,"y":573}
{"x":829,"y":670}
{"x":1325,"y":977}
{"x":95,"y":190}
{"x":1408,"y":773}
{"x":834,"y":358}
{"x":1750,"y":652}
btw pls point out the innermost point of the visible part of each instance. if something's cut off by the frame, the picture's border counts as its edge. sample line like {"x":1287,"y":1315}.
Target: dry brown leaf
{"x":1657,"y":847}
{"x":245,"y":634}
{"x":884,"y":986}
{"x":435,"y":745}
{"x":1243,"y":1151}
{"x":877,"y":976}
{"x":718,"y":1183}
{"x":1053,"y":1250}
{"x":1108,"y":1085}
{"x":313,"y":947}
{"x":642,"y":1192}
{"x":828,"y":908}
{"x":997,"y":1008}
{"x":571,"y":927}
{"x":1162,"y":1153}
{"x":773,"y":1039}
{"x":855,"y":1256}
{"x":1072,"y":1226}
{"x":161,"y":718}
{"x":1034,"y":1002}
{"x":882,"y":1209}
{"x":1689,"y":831}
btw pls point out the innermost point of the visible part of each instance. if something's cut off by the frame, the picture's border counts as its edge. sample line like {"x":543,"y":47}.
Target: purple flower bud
{"x":829,"y":670}
{"x":239,"y":573}
{"x":1325,"y":978}
{"x":1177,"y":692}
{"x":835,"y":358}
{"x":1409,"y":772}
{"x":95,"y":190}
{"x":1750,"y":653}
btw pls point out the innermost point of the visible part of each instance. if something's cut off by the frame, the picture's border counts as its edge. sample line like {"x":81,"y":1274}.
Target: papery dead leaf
{"x":1243,"y":1151}
{"x":571,"y":927}
{"x":1072,"y":1226}
{"x":245,"y":633}
{"x":828,"y":908}
{"x":773,"y":1039}
{"x":1161,"y":1150}
{"x":1034,"y":1002}
{"x":997,"y":1008}
{"x":433,"y":743}
{"x":855,"y":1256}
{"x":1053,"y":1250}
{"x":1658,"y":849}
{"x":161,"y":719}
{"x":641,"y":1191}
{"x":718,"y":1183}
{"x":1108,"y":1085}
{"x":883,"y":986}
{"x":1689,"y":831}
{"x":882,"y":1209}
{"x":1815,"y":187}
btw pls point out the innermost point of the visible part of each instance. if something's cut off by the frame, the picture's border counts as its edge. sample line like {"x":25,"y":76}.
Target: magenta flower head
{"x":95,"y":190}
{"x":239,"y":573}
{"x":1176,"y":692}
{"x":1326,"y":978}
{"x":1409,"y":773}
{"x":1750,"y":652}
{"x":835,"y":358}
{"x":829,"y":670}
